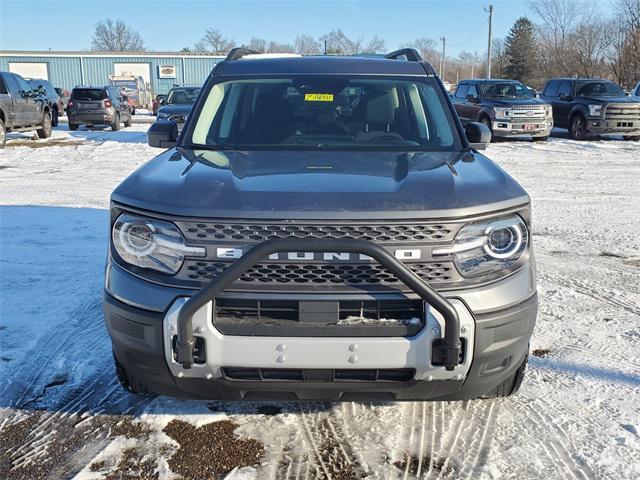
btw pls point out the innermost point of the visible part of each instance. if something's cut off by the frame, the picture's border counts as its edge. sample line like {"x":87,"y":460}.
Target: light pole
{"x":443,"y":63}
{"x":490,"y":10}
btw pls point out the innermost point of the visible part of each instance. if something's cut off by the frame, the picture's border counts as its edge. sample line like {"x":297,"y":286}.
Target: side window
{"x":473,"y":91}
{"x":462,"y":90}
{"x":12,"y":84}
{"x":565,"y":89}
{"x":551,"y":90}
{"x":3,"y":87}
{"x":23,"y":84}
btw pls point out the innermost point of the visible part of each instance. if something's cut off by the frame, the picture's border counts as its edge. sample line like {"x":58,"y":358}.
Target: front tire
{"x":486,"y":121}
{"x":127,"y":124}
{"x":73,"y":126}
{"x":578,"y":128}
{"x":512,"y":384}
{"x":3,"y":135}
{"x":115,"y":126}
{"x":45,"y":130}
{"x":54,"y":117}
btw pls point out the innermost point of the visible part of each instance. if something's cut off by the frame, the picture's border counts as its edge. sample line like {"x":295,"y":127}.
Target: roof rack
{"x":410,"y":54}
{"x":239,"y":52}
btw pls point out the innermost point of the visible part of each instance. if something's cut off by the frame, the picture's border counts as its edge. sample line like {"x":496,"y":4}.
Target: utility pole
{"x":490,"y":10}
{"x":443,"y":62}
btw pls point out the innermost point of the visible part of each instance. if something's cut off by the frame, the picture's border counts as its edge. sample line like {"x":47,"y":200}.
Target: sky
{"x":171,"y":25}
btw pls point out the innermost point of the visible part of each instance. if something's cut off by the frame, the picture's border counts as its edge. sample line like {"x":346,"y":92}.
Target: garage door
{"x":141,"y":69}
{"x":30,"y":70}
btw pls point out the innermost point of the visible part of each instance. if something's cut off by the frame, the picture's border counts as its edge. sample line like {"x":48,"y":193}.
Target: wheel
{"x":631,"y":138}
{"x":73,"y":127}
{"x":540,"y":139}
{"x":133,"y":111}
{"x":578,"y":128}
{"x":511,"y":385}
{"x":45,"y":130}
{"x":486,"y":121}
{"x":128,"y":122}
{"x":129,"y":382}
{"x":3,"y":135}
{"x":115,"y":126}
{"x":54,"y":117}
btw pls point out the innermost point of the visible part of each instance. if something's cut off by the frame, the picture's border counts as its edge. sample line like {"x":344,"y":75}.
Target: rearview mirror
{"x":163,"y":134}
{"x":478,"y":135}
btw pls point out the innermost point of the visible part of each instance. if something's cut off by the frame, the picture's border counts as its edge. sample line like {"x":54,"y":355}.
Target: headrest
{"x":381,"y":109}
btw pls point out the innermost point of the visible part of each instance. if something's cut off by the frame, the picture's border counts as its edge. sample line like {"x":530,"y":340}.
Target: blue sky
{"x":171,"y":25}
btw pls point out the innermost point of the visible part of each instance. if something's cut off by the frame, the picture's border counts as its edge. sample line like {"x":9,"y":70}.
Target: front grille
{"x":319,"y":273}
{"x":179,"y":118}
{"x":320,"y":375}
{"x":622,"y":112}
{"x":379,"y":233}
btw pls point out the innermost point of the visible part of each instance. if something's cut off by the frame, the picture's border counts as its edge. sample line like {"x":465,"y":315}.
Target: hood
{"x":182,"y":108}
{"x":603,"y":100}
{"x":495,"y":102}
{"x":303,"y":184}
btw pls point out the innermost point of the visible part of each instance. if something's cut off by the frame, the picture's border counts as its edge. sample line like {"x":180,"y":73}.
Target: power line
{"x":472,"y":36}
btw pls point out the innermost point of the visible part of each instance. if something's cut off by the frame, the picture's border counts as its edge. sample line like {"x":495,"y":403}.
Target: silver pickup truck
{"x":21,"y":108}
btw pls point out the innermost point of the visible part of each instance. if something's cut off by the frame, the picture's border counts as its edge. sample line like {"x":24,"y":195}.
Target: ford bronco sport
{"x":323,"y":228}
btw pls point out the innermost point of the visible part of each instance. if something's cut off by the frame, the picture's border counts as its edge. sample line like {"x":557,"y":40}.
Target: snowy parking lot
{"x":64,"y":415}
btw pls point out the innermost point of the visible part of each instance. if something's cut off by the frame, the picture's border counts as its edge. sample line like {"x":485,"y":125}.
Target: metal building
{"x":68,"y":69}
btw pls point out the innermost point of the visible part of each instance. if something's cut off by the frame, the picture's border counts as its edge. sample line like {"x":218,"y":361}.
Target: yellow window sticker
{"x":318,"y":97}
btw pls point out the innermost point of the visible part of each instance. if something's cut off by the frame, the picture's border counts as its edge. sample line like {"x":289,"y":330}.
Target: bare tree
{"x":590,"y":44}
{"x":116,"y":36}
{"x":468,"y":64}
{"x":268,"y":46}
{"x":307,"y":45}
{"x":214,"y":41}
{"x":426,"y":47}
{"x":338,"y":43}
{"x":499,"y":58}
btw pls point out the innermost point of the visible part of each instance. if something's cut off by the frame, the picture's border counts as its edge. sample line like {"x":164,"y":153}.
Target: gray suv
{"x":323,"y":228}
{"x":98,"y":106}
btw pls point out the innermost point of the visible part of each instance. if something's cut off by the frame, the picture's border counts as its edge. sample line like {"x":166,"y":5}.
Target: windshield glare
{"x":505,"y":90}
{"x":598,"y":89}
{"x":183,"y":95}
{"x":325,"y":113}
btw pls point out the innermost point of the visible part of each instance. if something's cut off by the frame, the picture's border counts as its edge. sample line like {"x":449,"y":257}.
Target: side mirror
{"x":478,"y":135}
{"x":163,"y":134}
{"x":472,"y":98}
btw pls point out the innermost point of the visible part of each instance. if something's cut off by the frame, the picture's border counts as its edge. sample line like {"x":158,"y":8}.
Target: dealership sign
{"x":166,"y":71}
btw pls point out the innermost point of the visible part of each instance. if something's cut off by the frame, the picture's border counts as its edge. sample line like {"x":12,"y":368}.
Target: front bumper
{"x":506,"y":128}
{"x":495,"y":347}
{"x":612,"y":126}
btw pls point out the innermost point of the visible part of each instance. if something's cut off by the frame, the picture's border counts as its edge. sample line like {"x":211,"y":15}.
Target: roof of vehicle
{"x":324,"y":64}
{"x":574,"y":79}
{"x":489,"y":80}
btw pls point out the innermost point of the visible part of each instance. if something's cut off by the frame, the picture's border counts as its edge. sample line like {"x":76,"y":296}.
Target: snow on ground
{"x":63,"y":414}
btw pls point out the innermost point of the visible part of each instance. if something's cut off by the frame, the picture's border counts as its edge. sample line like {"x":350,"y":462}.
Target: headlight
{"x":595,"y":110}
{"x":488,"y":247}
{"x":501,"y":112}
{"x":548,"y":110}
{"x":163,"y":115}
{"x":149,"y":243}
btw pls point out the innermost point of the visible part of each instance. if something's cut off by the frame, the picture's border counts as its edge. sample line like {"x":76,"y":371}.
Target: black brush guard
{"x":451,"y":345}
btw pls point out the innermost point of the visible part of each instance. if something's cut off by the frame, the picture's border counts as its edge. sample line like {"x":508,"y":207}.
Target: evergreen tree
{"x":521,"y":51}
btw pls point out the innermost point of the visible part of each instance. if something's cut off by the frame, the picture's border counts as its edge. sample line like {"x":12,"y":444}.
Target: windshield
{"x":88,"y":94}
{"x":183,"y":95}
{"x":505,"y":90}
{"x":598,"y":89}
{"x":322,"y":112}
{"x":128,"y":84}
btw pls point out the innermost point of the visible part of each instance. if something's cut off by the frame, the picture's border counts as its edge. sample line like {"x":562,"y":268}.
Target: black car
{"x":322,"y":228}
{"x":98,"y":106}
{"x":588,"y":107}
{"x":177,"y":104}
{"x":45,"y":88}
{"x":507,"y":107}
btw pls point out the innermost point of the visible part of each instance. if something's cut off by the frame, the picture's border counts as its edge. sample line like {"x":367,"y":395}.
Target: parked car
{"x":134,"y":89}
{"x":588,"y":107}
{"x":326,"y":233}
{"x":636,"y":91}
{"x":21,"y":108}
{"x":47,"y":90}
{"x":157,"y":102}
{"x":506,"y":107}
{"x":64,"y":97}
{"x":98,"y":106}
{"x":177,"y":104}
